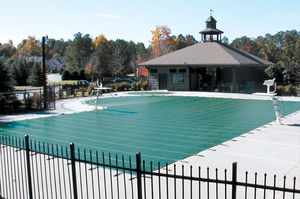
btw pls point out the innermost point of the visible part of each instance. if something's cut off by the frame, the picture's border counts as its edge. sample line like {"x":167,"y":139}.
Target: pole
{"x":27,"y":149}
{"x":138,"y":175}
{"x":234,"y":179}
{"x":44,"y":74}
{"x":73,"y":164}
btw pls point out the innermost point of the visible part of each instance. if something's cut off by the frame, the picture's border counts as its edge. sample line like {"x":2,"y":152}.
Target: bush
{"x":29,"y":102}
{"x":280,"y":90}
{"x":66,"y":75}
{"x":145,"y":85}
{"x":75,"y":75}
{"x":90,"y":89}
{"x":123,"y":86}
{"x":288,"y":90}
{"x":291,"y":90}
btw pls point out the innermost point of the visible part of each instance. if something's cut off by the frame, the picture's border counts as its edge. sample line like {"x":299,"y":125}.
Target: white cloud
{"x":108,"y":16}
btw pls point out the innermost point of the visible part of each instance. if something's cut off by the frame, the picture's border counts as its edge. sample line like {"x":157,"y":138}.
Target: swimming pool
{"x":163,"y":128}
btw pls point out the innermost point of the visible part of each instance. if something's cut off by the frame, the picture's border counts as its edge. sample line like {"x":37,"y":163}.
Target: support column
{"x":234,"y":80}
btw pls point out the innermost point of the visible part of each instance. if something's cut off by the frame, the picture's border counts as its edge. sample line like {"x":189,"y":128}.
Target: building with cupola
{"x":209,"y":65}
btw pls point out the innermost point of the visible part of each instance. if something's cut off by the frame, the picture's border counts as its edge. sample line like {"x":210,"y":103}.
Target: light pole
{"x":44,"y":73}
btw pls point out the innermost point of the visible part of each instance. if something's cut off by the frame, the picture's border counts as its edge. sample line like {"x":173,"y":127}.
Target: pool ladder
{"x":277,"y":110}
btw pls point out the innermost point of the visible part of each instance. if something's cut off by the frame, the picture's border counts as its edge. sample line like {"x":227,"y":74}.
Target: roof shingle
{"x":208,"y":54}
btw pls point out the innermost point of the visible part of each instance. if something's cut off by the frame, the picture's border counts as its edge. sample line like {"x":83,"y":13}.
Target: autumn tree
{"x":161,"y":41}
{"x":98,"y":64}
{"x":29,"y":47}
{"x":100,"y":39}
{"x":246,"y":44}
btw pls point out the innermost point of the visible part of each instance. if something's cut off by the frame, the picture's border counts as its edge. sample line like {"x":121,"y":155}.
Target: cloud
{"x":108,"y":16}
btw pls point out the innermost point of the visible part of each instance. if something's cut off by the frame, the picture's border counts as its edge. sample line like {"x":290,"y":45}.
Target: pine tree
{"x":5,"y":79}
{"x":35,"y":78}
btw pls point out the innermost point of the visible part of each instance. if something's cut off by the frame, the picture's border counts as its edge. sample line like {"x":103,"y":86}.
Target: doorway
{"x":163,"y":81}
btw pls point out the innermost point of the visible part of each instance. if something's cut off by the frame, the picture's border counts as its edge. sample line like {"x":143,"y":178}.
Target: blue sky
{"x":134,"y":19}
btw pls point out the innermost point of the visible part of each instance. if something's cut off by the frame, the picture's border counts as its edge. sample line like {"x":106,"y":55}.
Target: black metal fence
{"x":31,"y":169}
{"x":20,"y":101}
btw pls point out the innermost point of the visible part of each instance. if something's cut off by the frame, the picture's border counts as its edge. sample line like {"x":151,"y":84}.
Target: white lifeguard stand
{"x":269,"y":83}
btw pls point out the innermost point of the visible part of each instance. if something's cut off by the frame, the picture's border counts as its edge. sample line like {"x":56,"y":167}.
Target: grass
{"x":64,"y":82}
{"x":21,"y":88}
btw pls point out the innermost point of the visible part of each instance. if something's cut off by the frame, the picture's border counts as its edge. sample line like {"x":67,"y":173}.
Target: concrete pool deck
{"x":272,"y":148}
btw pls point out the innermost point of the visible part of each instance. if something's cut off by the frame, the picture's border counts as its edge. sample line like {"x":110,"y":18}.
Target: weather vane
{"x":211,"y":12}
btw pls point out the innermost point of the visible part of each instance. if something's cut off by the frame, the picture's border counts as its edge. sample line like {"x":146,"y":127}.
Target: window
{"x":182,"y":70}
{"x":153,"y":70}
{"x":172,"y":70}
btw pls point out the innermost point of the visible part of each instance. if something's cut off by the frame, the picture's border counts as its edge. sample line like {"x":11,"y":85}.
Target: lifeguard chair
{"x":269,"y":83}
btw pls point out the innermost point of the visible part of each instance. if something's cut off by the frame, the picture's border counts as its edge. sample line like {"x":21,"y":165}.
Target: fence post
{"x":54,"y":96}
{"x":73,"y":170}
{"x":24,"y":95}
{"x":40,"y":101}
{"x":234,"y":179}
{"x":28,"y":166}
{"x":138,"y":175}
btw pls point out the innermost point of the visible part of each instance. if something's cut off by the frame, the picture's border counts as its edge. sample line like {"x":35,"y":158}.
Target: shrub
{"x":288,"y":90}
{"x":90,"y":89}
{"x":145,"y":85}
{"x":66,"y":75}
{"x":291,"y":90}
{"x":29,"y":102}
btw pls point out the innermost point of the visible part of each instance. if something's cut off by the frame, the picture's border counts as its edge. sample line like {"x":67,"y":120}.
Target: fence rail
{"x":31,"y":169}
{"x":33,"y":100}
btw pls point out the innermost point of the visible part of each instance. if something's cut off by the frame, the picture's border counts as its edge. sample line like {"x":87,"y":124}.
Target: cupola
{"x":211,"y":33}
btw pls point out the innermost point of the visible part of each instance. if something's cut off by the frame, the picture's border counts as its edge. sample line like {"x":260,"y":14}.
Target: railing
{"x":19,"y":101}
{"x":31,"y":169}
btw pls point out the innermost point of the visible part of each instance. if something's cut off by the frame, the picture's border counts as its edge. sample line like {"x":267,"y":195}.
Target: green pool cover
{"x":163,"y":128}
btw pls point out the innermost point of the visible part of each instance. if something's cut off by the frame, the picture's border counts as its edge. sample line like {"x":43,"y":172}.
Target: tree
{"x":161,"y":41}
{"x":100,"y":39}
{"x":81,"y":74}
{"x":19,"y":70}
{"x":141,"y":52}
{"x":5,"y":79}
{"x":121,"y":58}
{"x":35,"y":77}
{"x":182,"y":42}
{"x":78,"y":51}
{"x":66,"y":75}
{"x":225,"y":40}
{"x":246,"y":44}
{"x":7,"y":50}
{"x":29,"y":47}
{"x":59,"y":48}
{"x":74,"y":75}
{"x":99,"y":61}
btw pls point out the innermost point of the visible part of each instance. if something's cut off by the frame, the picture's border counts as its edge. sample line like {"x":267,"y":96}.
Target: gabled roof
{"x":207,"y":54}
